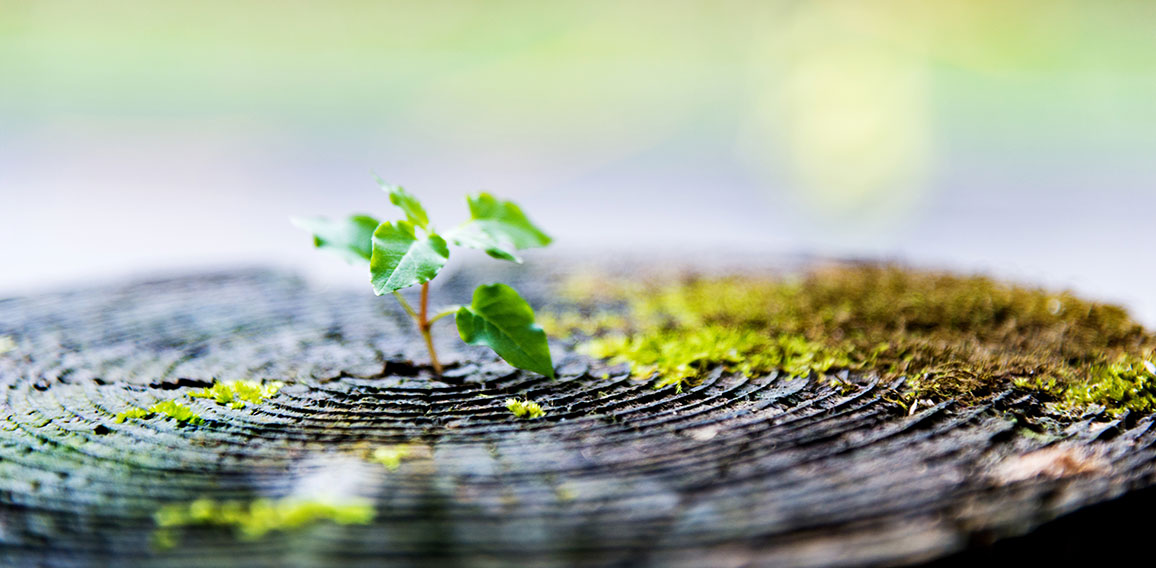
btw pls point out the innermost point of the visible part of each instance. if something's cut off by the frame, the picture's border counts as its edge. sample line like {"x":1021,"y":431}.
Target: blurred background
{"x":1016,"y":138}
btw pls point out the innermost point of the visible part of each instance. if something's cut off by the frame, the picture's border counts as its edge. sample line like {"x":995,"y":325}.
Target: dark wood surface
{"x":737,"y":471}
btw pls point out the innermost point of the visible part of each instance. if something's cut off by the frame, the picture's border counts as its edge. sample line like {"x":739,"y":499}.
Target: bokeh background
{"x":1016,"y":138}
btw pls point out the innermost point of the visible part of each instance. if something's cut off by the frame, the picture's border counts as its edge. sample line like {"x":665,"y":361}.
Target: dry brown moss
{"x":953,"y":336}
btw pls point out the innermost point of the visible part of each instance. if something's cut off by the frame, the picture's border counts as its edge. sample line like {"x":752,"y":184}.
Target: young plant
{"x":410,"y":252}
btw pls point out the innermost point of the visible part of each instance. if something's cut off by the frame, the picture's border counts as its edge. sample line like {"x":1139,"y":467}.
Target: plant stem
{"x":446,"y":312}
{"x":405,"y":304}
{"x":424,"y":324}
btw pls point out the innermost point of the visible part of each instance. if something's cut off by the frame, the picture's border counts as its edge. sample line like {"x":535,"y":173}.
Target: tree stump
{"x":734,"y":471}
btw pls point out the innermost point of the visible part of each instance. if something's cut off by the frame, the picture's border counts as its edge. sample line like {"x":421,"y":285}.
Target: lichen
{"x":169,"y":408}
{"x":254,"y":519}
{"x":952,"y":336}
{"x":526,"y":409}
{"x":236,"y":394}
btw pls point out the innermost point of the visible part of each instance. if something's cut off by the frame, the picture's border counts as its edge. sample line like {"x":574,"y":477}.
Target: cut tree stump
{"x":736,"y":471}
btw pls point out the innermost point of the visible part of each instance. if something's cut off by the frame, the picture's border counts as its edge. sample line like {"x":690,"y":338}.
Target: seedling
{"x":410,"y":252}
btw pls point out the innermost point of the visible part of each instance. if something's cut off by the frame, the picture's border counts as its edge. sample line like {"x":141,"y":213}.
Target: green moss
{"x":236,"y":394}
{"x":562,"y":325}
{"x":1126,"y":384}
{"x":253,"y":520}
{"x":170,"y":408}
{"x":527,"y":409}
{"x":676,"y":356}
{"x":391,"y":456}
{"x":132,"y":413}
{"x":952,"y":336}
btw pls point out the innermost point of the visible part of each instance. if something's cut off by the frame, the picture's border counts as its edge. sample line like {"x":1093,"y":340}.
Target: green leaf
{"x":500,"y":319}
{"x":472,"y":236}
{"x":405,"y":200}
{"x":499,"y":228}
{"x":400,"y":259}
{"x":351,"y":239}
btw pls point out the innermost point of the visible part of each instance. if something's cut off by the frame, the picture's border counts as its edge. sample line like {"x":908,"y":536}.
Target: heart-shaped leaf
{"x":400,"y":259}
{"x":409,"y":204}
{"x":351,"y":239}
{"x":502,"y":320}
{"x":499,"y":228}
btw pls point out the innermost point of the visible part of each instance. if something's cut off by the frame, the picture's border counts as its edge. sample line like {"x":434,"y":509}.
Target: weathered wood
{"x":735,"y":471}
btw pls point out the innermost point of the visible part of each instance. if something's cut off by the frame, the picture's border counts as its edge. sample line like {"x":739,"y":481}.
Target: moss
{"x":676,"y":356}
{"x":391,"y":456}
{"x":562,"y":325}
{"x":953,"y":336}
{"x":170,"y":408}
{"x":527,"y":409}
{"x":253,"y":520}
{"x":236,"y":394}
{"x":131,"y":414}
{"x":1126,"y":384}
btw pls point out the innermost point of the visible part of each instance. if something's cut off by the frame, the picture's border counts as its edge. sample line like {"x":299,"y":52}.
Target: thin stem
{"x":423,"y":324}
{"x":424,"y":301}
{"x":405,"y":304}
{"x":448,"y":311}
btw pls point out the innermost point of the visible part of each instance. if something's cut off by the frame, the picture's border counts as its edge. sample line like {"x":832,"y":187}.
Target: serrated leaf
{"x":351,"y":239}
{"x":400,"y":259}
{"x":498,"y":227}
{"x":502,"y":320}
{"x":409,"y":204}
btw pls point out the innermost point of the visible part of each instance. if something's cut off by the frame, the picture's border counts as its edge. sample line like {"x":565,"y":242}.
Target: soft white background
{"x":137,"y":139}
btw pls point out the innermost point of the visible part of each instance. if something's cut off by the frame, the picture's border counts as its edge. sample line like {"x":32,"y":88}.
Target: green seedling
{"x":410,"y":252}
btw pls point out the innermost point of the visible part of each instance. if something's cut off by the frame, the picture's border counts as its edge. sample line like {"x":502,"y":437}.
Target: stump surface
{"x":734,"y":471}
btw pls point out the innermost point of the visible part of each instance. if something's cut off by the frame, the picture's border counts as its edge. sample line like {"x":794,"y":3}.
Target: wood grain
{"x":737,"y":471}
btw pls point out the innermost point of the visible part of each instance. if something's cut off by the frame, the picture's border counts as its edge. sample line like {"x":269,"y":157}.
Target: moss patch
{"x":169,"y":408}
{"x":527,"y":409}
{"x":236,"y":394}
{"x":953,"y":336}
{"x":1128,"y":383}
{"x":390,"y":456}
{"x":254,"y":519}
